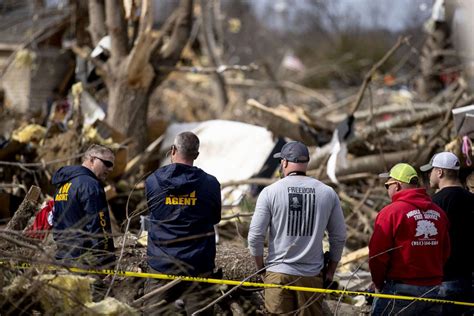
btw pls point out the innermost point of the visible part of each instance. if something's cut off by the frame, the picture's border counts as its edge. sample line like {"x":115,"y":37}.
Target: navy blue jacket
{"x":184,"y":204}
{"x":81,"y":219}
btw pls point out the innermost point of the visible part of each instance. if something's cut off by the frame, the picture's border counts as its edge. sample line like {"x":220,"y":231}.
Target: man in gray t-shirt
{"x":297,"y":210}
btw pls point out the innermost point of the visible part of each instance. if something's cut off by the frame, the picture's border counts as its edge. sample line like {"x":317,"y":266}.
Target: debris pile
{"x":353,"y":135}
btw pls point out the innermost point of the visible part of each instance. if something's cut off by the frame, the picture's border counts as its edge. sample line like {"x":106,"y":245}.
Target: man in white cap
{"x":296,"y":210}
{"x":458,"y":203}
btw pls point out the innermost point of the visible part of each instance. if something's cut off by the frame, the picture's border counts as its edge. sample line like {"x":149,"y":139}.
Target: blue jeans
{"x":456,"y":290}
{"x":383,"y":306}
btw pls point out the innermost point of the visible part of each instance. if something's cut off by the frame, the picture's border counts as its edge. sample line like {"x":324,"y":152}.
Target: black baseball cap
{"x":294,"y":152}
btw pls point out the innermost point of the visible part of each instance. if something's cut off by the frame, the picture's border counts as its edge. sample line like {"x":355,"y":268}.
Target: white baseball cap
{"x":444,"y":160}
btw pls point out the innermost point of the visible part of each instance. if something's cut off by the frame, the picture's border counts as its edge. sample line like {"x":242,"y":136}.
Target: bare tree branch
{"x":146,"y":17}
{"x":169,"y":53}
{"x":84,"y":53}
{"x":96,"y":20}
{"x":210,"y":47}
{"x":139,"y":71}
{"x":117,"y":28}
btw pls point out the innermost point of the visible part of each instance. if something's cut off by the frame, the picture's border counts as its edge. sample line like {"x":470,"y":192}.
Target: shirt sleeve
{"x":218,"y":204}
{"x":380,"y":242}
{"x":259,"y":225}
{"x":153,"y":195}
{"x":336,"y":231}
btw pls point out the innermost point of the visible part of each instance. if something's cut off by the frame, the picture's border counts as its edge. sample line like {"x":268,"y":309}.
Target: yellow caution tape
{"x":249,"y":284}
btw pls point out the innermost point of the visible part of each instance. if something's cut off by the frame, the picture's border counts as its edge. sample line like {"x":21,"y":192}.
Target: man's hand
{"x":372,"y":287}
{"x":259,"y":264}
{"x":329,"y":274}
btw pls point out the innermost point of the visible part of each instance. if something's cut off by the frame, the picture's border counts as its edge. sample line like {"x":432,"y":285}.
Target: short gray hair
{"x":95,"y":150}
{"x":187,"y":144}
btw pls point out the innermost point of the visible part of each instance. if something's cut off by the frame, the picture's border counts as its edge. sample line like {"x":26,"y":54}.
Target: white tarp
{"x":229,"y":150}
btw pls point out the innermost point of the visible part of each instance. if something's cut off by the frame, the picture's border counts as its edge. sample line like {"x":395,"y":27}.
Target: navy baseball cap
{"x":294,"y":152}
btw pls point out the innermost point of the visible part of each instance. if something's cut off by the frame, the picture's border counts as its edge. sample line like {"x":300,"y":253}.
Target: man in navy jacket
{"x":81,"y":222}
{"x":185,"y":204}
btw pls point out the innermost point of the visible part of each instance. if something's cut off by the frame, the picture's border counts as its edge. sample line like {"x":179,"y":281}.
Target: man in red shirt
{"x":409,"y":246}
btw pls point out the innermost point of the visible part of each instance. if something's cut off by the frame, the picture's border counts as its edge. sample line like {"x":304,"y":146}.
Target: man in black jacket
{"x":458,"y":203}
{"x":81,"y":221}
{"x":185,"y":204}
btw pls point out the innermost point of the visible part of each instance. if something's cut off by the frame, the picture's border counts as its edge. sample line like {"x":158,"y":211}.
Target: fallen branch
{"x":161,"y":289}
{"x":26,"y":210}
{"x":283,"y":121}
{"x":405,"y":120}
{"x":361,"y":253}
{"x":209,"y":70}
{"x":371,"y":163}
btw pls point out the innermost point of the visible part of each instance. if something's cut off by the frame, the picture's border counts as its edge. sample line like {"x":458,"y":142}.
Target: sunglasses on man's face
{"x":388,"y":184}
{"x":107,"y":163}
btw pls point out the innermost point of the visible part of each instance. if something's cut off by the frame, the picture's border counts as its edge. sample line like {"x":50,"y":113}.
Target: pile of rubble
{"x":353,"y":136}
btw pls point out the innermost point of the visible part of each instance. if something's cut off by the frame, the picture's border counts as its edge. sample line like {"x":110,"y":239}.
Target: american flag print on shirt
{"x":301,"y":212}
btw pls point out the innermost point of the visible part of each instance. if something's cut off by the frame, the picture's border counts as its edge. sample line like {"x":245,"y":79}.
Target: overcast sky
{"x":394,"y":15}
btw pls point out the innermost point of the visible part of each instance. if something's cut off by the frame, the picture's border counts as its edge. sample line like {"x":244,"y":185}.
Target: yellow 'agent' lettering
{"x":61,"y":197}
{"x":187,"y":199}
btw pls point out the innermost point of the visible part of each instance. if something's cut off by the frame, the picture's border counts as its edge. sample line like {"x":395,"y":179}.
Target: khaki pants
{"x":280,"y":301}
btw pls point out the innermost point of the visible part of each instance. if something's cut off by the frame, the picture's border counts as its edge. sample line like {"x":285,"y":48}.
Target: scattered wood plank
{"x":356,"y":255}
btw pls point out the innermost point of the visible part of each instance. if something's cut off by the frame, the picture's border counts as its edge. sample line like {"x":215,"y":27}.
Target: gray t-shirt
{"x":297,"y":210}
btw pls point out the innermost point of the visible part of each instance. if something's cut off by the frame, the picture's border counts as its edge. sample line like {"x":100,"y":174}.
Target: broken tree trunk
{"x":129,"y":113}
{"x":26,"y":210}
{"x":132,"y":71}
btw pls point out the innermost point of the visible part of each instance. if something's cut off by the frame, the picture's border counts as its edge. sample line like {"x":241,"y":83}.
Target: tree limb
{"x":169,"y":52}
{"x":96,"y":20}
{"x":371,"y":163}
{"x":146,"y":17}
{"x":294,"y":123}
{"x":84,"y":53}
{"x":117,"y":29}
{"x":402,"y":120}
{"x":139,"y":71}
{"x":211,"y":49}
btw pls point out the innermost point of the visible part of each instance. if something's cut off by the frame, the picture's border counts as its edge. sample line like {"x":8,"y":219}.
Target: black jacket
{"x":81,"y":219}
{"x":458,"y":203}
{"x":184,"y":204}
